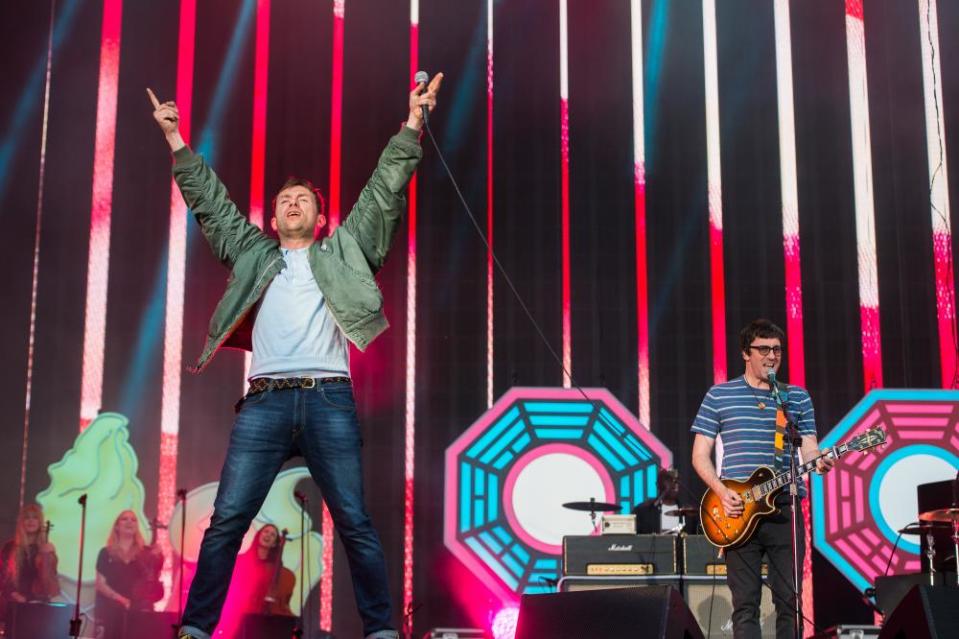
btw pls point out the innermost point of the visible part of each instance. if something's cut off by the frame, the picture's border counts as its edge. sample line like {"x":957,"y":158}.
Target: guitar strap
{"x":780,"y":439}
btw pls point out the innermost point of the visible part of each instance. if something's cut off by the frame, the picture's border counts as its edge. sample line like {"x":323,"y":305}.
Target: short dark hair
{"x":299,"y":181}
{"x":666,"y":477}
{"x":762,"y":328}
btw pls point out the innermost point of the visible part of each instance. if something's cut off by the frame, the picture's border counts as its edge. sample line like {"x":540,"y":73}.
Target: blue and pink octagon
{"x":509,"y":474}
{"x":859,"y":507}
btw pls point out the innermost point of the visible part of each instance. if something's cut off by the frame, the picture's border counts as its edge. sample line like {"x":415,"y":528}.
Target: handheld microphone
{"x":424,"y":77}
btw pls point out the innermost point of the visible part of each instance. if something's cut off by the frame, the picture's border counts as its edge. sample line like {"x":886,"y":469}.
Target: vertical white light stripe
{"x":787,"y":127}
{"x":938,"y":188}
{"x":935,"y":121}
{"x":863,"y":191}
{"x":563,"y":52}
{"x":713,"y":165}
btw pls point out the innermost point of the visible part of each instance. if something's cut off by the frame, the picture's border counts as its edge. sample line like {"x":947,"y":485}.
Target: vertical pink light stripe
{"x":336,"y":147}
{"x":642,"y":292}
{"x":101,"y":207}
{"x":489,"y":203}
{"x":410,"y":447}
{"x":336,"y":113}
{"x":795,"y":341}
{"x":175,"y":287}
{"x":564,"y":190}
{"x":717,"y":272}
{"x":261,"y":68}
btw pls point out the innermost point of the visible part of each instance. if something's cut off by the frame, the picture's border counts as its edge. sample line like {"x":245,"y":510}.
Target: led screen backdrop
{"x":651,"y":174}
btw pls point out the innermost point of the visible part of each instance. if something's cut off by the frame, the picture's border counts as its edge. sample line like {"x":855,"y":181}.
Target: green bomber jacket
{"x":343,"y":264}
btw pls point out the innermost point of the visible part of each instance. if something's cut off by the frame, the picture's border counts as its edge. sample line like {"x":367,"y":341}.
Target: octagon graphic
{"x":508,"y":475}
{"x":860,"y":506}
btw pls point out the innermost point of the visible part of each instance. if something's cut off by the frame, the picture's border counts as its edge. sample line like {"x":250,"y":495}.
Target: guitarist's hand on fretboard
{"x":825,"y":463}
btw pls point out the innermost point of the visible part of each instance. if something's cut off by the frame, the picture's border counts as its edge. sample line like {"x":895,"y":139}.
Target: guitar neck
{"x":785,"y":478}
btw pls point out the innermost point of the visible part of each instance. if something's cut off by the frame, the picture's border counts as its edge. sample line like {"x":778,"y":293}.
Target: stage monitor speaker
{"x":926,"y":612}
{"x":257,"y":626}
{"x":147,"y":624}
{"x":39,"y":620}
{"x":651,"y":612}
{"x":711,"y":603}
{"x":891,"y":589}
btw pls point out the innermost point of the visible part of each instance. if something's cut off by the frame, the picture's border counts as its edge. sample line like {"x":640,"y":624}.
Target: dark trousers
{"x":272,"y":426}
{"x":772,"y":538}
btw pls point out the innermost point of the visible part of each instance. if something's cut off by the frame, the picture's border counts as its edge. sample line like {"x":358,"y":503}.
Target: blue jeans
{"x":270,"y":427}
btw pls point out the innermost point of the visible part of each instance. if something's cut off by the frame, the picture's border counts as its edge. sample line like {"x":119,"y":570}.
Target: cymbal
{"x":592,"y":506}
{"x":687,"y":511}
{"x":921,"y":529}
{"x":944,"y":515}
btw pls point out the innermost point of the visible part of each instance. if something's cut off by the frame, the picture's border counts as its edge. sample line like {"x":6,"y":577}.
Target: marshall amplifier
{"x":702,"y":559}
{"x":619,"y":555}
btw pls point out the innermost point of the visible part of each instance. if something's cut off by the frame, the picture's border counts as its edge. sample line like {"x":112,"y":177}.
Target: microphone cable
{"x":499,"y":265}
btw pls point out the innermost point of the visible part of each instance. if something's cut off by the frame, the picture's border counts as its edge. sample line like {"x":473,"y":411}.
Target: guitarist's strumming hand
{"x":732,"y":502}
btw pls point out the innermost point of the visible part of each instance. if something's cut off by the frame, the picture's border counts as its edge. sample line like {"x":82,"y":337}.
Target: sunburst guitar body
{"x":759,"y":491}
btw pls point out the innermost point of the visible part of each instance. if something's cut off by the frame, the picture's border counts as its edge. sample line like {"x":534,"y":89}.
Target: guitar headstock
{"x":869,"y":439}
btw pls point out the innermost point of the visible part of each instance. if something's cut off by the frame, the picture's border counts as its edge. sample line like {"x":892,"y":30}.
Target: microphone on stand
{"x":773,"y":383}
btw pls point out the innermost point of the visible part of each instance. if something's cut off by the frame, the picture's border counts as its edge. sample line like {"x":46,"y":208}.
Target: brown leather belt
{"x":261,"y":384}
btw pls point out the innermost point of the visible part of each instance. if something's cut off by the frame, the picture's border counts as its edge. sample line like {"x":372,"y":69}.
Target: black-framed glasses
{"x":765,"y":350}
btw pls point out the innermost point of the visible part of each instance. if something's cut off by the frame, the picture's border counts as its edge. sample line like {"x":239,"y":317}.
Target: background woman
{"x":260,"y":584}
{"x":127,"y":570}
{"x":29,"y":562}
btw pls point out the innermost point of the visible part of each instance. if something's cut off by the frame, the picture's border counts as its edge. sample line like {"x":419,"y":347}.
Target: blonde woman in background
{"x":127,"y":575}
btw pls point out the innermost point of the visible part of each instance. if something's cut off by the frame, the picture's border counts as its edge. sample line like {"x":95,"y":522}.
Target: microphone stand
{"x":300,"y":497}
{"x":75,"y":622}
{"x":181,"y":495}
{"x":793,"y":439}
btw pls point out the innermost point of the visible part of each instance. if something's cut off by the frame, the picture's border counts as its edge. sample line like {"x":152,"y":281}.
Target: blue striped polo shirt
{"x":749,"y":431}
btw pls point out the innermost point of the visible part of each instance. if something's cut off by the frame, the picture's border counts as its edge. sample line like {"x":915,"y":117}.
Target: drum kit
{"x":937,"y":519}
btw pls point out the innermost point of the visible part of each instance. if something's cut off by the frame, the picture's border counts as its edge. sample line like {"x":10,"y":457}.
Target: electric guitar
{"x":758,"y":493}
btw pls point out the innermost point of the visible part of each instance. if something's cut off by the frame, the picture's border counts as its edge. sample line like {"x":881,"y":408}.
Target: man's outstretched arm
{"x":225,"y":228}
{"x":376,"y":214}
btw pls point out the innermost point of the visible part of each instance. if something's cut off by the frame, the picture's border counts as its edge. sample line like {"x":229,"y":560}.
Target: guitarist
{"x":744,"y":411}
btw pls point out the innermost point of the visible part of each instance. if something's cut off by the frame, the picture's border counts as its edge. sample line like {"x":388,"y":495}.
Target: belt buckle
{"x":307,"y":382}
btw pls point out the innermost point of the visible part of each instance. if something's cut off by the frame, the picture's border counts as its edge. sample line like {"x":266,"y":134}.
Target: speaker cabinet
{"x":38,"y":620}
{"x":579,"y":583}
{"x":926,"y":612}
{"x":257,"y":626}
{"x":652,"y":612}
{"x":147,"y":624}
{"x":711,"y":603}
